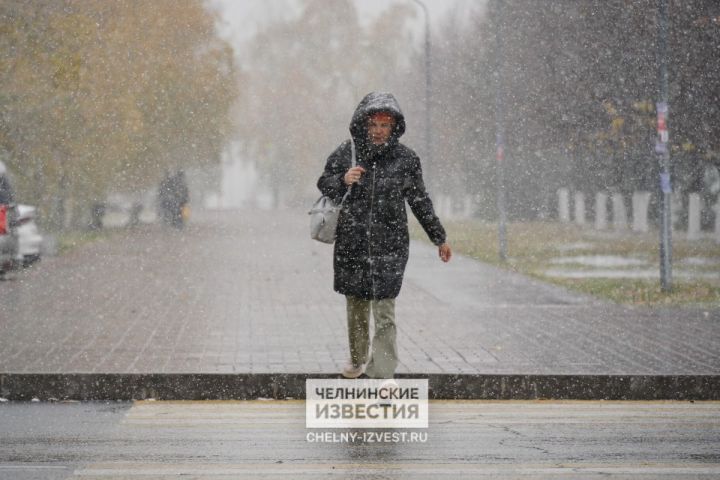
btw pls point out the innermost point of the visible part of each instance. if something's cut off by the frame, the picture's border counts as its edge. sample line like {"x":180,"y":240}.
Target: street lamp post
{"x":662,"y":148}
{"x":428,"y":129}
{"x":500,"y":138}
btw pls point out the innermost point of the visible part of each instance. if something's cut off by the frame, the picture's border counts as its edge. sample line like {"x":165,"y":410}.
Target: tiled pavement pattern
{"x":245,"y":291}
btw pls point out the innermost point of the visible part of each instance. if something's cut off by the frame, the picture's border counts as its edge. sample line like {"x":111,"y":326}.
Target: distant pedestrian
{"x":173,"y":198}
{"x":182,"y":199}
{"x":165,"y":198}
{"x":372,"y":244}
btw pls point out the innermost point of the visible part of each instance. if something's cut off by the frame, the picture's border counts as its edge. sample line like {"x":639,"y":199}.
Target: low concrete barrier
{"x":24,"y":387}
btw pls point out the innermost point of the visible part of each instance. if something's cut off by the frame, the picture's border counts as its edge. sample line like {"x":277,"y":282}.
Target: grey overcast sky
{"x":240,"y":19}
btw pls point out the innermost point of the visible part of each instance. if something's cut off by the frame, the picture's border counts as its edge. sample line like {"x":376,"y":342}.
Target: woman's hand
{"x":353,"y":175}
{"x":445,"y":252}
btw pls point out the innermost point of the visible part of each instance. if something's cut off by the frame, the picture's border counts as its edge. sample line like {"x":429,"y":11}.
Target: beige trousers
{"x":383,"y":359}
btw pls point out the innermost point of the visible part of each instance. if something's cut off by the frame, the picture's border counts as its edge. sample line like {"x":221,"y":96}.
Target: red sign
{"x":662,"y":112}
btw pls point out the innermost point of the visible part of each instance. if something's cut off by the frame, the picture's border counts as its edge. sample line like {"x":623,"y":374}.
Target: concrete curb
{"x":248,"y":386}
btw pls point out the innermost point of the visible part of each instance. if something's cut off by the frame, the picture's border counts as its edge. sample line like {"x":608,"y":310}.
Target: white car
{"x":29,"y":238}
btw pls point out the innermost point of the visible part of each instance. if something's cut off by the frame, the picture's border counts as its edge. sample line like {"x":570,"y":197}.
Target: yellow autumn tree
{"x":100,"y":95}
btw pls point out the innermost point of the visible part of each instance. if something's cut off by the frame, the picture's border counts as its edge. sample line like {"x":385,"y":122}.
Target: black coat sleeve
{"x":421,"y":205}
{"x":331,"y":181}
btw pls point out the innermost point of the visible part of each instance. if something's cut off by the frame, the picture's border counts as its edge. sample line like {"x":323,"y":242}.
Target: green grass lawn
{"x":533,"y":245}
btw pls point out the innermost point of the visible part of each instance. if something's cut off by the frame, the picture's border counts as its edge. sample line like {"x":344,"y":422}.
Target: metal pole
{"x":663,"y":151}
{"x":428,"y":129}
{"x":500,"y":137}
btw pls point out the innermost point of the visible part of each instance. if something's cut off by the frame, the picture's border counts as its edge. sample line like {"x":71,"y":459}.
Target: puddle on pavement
{"x":569,"y":247}
{"x":618,"y":266}
{"x":620,"y":273}
{"x":600,"y":261}
{"x":699,"y":261}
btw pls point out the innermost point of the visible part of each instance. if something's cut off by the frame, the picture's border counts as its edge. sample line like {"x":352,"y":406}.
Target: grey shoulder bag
{"x":324,"y":213}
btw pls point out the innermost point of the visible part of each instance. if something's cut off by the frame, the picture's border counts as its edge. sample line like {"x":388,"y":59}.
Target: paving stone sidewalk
{"x":249,"y":292}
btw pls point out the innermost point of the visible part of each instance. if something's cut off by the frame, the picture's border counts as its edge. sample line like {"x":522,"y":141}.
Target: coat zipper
{"x":370,"y":258}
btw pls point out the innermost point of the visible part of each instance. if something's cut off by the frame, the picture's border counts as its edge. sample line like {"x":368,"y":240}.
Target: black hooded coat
{"x":372,"y":243}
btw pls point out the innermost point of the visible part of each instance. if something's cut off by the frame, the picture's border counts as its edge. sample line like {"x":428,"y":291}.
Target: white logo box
{"x":362,"y":403}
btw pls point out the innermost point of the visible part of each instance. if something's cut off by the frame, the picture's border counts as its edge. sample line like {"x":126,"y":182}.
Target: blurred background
{"x":100,"y":99}
{"x":158,"y":159}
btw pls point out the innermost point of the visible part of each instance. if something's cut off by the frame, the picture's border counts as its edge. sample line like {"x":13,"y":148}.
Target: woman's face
{"x":380,"y":127}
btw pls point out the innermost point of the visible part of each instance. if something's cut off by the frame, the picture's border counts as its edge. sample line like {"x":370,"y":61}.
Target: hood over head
{"x":375,"y":102}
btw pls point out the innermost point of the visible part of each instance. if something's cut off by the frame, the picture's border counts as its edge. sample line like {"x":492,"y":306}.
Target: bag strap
{"x":353,"y":161}
{"x":352,"y":149}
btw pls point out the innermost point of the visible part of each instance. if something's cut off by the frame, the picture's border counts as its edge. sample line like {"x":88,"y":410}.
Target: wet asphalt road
{"x":268,"y":439}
